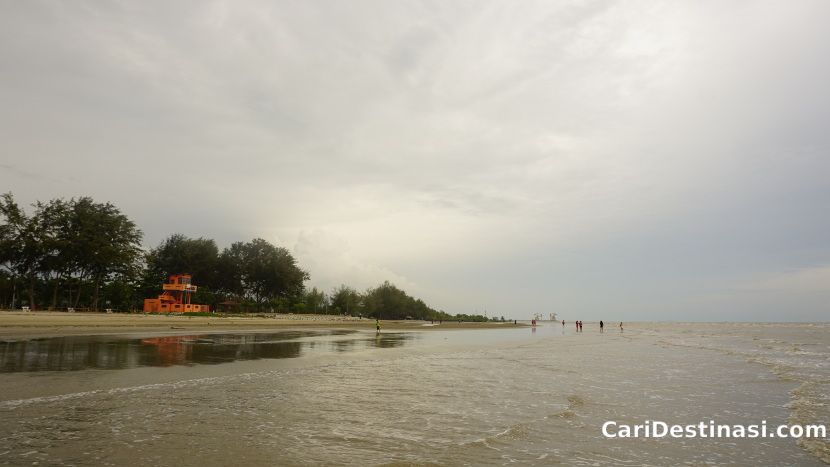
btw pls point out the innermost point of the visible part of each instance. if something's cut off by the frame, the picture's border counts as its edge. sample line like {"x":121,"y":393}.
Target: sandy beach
{"x":15,"y":324}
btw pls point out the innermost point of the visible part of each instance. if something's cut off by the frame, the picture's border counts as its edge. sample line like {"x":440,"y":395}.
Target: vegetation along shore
{"x":20,"y":325}
{"x":82,"y":255}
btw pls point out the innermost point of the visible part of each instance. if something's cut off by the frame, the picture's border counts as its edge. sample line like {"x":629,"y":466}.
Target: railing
{"x":181,"y":287}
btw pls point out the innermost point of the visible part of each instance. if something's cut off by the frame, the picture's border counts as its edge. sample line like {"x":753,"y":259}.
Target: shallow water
{"x":108,"y":352}
{"x":496,"y":397}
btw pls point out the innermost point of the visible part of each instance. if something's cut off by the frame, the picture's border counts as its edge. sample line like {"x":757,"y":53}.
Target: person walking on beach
{"x":601,"y":326}
{"x":621,"y":328}
{"x":576,"y":323}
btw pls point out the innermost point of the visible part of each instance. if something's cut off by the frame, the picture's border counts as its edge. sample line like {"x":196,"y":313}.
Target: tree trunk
{"x":55,"y":293}
{"x":95,"y":296}
{"x":77,"y":296}
{"x":14,"y":290}
{"x":32,"y":305}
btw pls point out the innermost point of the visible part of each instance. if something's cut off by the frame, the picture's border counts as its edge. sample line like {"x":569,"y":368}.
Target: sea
{"x":513,"y":396}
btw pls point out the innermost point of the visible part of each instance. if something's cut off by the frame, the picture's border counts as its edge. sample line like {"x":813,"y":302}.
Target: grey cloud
{"x":602,"y":159}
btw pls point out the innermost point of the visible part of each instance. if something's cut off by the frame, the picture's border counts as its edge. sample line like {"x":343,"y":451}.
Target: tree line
{"x":82,"y":254}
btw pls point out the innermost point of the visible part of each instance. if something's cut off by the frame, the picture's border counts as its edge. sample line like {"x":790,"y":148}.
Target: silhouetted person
{"x":601,"y":326}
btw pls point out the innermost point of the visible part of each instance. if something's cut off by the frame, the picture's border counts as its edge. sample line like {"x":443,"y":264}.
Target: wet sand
{"x":14,"y":324}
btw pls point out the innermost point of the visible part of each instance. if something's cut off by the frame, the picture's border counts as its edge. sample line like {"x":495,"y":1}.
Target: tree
{"x":346,"y":300}
{"x":230,"y":270}
{"x":316,"y":300}
{"x":178,"y":254}
{"x":11,"y":235}
{"x":105,"y":243}
{"x":76,"y":239}
{"x":389,"y":302}
{"x":22,"y":249}
{"x":261,"y":272}
{"x":53,"y":220}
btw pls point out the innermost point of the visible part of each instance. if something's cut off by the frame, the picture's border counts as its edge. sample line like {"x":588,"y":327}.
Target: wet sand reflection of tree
{"x":85,"y":352}
{"x":64,"y":354}
{"x":391,"y":340}
{"x":183,"y":350}
{"x":343,"y":345}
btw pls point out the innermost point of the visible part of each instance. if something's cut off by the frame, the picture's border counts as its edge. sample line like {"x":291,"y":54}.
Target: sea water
{"x":485,"y":397}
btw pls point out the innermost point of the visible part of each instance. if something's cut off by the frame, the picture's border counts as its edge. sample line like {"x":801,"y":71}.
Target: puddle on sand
{"x":71,"y":353}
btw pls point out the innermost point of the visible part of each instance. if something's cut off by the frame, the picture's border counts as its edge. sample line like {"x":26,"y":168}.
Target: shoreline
{"x":36,"y":324}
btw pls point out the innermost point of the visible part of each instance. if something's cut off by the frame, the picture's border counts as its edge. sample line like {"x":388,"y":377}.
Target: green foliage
{"x":261,"y":272}
{"x":179,"y":254}
{"x":122,"y":294}
{"x":21,"y":244}
{"x":83,"y":254}
{"x":105,"y":243}
{"x":345,"y":300}
{"x":316,"y":301}
{"x":389,"y":302}
{"x":77,"y":241}
{"x":257,"y":274}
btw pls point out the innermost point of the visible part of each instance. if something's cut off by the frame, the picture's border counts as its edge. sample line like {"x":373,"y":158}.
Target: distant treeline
{"x":85,"y":255}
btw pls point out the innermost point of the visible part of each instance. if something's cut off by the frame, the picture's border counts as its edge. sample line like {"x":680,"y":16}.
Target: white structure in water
{"x":538,"y":316}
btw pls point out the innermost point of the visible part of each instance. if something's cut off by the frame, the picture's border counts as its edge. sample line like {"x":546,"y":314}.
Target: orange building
{"x":175,"y":298}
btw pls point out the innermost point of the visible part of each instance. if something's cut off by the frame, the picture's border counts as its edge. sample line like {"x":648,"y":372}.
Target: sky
{"x":600,"y":160}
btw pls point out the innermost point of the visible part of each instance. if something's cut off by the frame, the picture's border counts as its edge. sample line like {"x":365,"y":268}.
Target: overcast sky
{"x":617,"y":161}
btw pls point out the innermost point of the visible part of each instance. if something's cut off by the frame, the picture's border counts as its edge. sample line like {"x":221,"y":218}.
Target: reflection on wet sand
{"x":99,"y":352}
{"x":388,"y":340}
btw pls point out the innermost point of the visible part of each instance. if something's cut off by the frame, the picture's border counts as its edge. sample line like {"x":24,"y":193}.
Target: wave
{"x":521,"y":430}
{"x":806,"y":399}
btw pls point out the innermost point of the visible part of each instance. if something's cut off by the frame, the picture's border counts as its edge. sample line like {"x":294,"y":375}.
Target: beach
{"x":46,"y":323}
{"x":323,"y":395}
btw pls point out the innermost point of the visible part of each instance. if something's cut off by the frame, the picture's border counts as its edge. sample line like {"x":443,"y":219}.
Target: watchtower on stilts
{"x":175,"y":297}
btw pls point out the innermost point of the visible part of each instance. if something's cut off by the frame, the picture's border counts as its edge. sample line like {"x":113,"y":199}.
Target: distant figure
{"x":601,"y":326}
{"x":563,"y":323}
{"x":514,"y":322}
{"x":533,"y":323}
{"x":621,"y":328}
{"x":576,"y":323}
{"x":377,"y":324}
